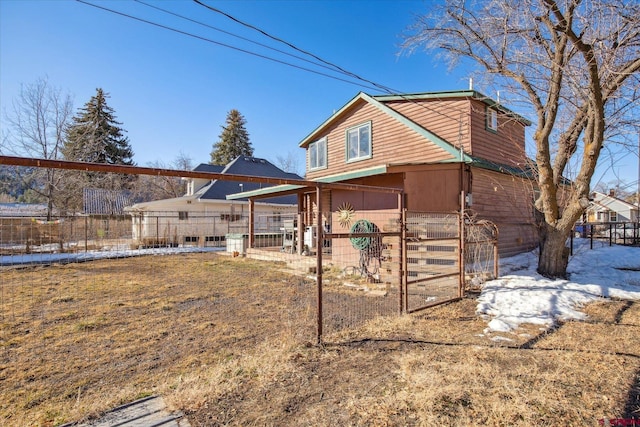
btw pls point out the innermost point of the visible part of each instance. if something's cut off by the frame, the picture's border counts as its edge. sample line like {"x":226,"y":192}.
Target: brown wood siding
{"x":391,"y":142}
{"x":435,"y":189}
{"x":506,"y":146}
{"x":447,"y":119}
{"x":507,"y":201}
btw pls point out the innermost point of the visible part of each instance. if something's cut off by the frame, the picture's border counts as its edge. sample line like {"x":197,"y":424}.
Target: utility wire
{"x":337,"y":67}
{"x":334,"y":66}
{"x":224,"y":44}
{"x":235,"y":35}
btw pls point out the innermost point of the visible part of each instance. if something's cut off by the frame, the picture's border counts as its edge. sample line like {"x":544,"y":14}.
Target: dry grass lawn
{"x":229,"y":342}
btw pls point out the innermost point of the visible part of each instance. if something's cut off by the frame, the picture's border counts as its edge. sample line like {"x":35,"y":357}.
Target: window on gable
{"x":359,"y":142}
{"x":318,"y":154}
{"x":492,"y":119}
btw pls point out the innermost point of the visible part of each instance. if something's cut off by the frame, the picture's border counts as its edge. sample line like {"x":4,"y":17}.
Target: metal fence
{"x":611,"y":233}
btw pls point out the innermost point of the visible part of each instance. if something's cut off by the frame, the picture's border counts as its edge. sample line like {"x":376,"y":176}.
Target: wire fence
{"x":612,"y":233}
{"x":182,"y":293}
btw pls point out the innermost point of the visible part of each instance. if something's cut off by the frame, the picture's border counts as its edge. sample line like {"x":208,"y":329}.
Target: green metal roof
{"x":377,"y":170}
{"x":381,"y":99}
{"x":454,"y":94}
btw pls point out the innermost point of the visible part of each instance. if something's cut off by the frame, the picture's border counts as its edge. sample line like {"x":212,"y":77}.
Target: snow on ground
{"x":520,"y":295}
{"x":49,"y":258}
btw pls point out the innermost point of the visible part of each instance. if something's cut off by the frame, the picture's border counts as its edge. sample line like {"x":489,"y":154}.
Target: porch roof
{"x":288,"y":189}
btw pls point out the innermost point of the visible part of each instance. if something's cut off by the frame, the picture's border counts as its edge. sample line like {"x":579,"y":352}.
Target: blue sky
{"x":172,"y":92}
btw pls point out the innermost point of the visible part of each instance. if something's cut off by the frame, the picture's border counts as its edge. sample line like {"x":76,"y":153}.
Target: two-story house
{"x":437,"y":147}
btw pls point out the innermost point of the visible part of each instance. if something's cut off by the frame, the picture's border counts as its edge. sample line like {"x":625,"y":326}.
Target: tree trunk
{"x":554,"y":254}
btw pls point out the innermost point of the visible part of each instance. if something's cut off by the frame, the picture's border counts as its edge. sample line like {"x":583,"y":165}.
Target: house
{"x":609,"y":208}
{"x":203,"y":216}
{"x":100,"y":202}
{"x":442,"y":149}
{"x":436,"y":147}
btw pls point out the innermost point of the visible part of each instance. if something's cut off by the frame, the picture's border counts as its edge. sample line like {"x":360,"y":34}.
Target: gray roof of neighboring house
{"x":250,"y":166}
{"x":206,"y":167}
{"x":98,"y":201}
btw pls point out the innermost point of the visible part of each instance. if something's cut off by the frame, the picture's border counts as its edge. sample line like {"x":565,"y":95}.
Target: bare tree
{"x":575,"y":63}
{"x":163,"y":187}
{"x":288,"y":162}
{"x":40,"y":116}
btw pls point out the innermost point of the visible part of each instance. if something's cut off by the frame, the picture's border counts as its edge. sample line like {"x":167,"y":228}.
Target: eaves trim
{"x":450,"y":149}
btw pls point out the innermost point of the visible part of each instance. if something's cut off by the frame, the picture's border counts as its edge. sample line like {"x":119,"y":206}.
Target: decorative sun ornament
{"x":345,"y":214}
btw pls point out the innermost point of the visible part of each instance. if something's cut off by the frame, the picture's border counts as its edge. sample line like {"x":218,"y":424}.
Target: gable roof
{"x":379,"y":103}
{"x":98,"y":201}
{"x":608,"y":202}
{"x":207,"y":167}
{"x":251,"y":166}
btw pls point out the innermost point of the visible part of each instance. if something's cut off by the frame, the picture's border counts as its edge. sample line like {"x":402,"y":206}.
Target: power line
{"x":333,"y":67}
{"x":337,"y":67}
{"x":248,"y":52}
{"x":234,"y":35}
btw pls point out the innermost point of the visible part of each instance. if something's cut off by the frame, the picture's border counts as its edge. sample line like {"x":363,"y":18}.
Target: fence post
{"x":401,"y":258}
{"x":318,"y":257}
{"x":86,"y":231}
{"x":461,"y":247}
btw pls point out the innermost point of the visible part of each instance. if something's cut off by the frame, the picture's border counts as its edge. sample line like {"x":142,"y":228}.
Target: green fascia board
{"x":377,"y":170}
{"x":309,"y":138}
{"x":395,"y":115}
{"x":502,"y":168}
{"x":264,"y":191}
{"x":454,"y":94}
{"x":449,"y":148}
{"x":361,"y":173}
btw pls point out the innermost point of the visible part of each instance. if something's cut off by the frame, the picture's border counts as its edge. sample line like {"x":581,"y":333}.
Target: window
{"x":230,"y":217}
{"x":318,"y":154}
{"x":492,"y":119}
{"x":182,"y":215}
{"x":359,"y":142}
{"x":613,"y":216}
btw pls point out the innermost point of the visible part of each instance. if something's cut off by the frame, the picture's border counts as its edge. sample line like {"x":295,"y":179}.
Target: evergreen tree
{"x":234,"y":140}
{"x":96,"y":136}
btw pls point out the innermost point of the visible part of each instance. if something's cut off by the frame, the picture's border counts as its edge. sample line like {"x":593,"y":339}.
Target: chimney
{"x":612,"y":192}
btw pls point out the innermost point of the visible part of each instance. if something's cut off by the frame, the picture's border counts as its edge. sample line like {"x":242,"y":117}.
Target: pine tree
{"x":234,"y":140}
{"x":96,"y":136}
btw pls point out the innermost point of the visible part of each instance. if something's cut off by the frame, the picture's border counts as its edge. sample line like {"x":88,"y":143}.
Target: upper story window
{"x":359,"y":142}
{"x":492,"y":119}
{"x":318,"y":154}
{"x":183,"y":215}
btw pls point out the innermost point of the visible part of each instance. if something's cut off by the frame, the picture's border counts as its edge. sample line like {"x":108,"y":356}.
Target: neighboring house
{"x":609,"y":208}
{"x":203,"y":216}
{"x":101,"y":202}
{"x":436,"y":147}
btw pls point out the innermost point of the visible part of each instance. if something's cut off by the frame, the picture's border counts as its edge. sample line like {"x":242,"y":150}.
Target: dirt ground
{"x":231,"y":341}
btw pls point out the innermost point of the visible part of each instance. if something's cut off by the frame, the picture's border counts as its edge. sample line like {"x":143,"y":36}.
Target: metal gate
{"x":432,"y":270}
